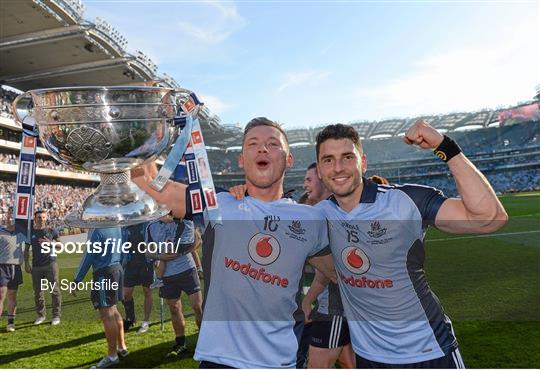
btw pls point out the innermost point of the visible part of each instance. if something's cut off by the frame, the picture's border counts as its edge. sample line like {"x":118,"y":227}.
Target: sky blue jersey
{"x":100,"y":260}
{"x":378,"y":251}
{"x":253,"y":265}
{"x":179,"y":232}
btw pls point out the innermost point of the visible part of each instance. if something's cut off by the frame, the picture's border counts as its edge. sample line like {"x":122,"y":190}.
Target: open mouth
{"x":262,"y":164}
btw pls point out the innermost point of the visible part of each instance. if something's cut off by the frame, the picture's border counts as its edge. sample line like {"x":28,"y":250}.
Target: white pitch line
{"x":483,"y":236}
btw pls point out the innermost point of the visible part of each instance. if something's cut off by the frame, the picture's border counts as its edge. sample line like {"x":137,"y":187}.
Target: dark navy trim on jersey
{"x":428,"y":200}
{"x":439,"y":322}
{"x":323,"y":252}
{"x":207,"y":252}
{"x":369,"y":192}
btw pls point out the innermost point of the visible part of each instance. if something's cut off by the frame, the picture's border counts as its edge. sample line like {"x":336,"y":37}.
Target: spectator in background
{"x":44,"y":266}
{"x":180,"y":273}
{"x":11,"y":258}
{"x":107,"y":267}
{"x":138,"y":270}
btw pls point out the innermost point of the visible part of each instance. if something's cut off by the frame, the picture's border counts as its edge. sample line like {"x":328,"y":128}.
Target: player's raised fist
{"x":423,"y":135}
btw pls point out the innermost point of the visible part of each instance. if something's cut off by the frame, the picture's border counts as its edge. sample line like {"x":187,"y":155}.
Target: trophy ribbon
{"x":212,"y":212}
{"x":174,"y":156}
{"x":191,"y":138}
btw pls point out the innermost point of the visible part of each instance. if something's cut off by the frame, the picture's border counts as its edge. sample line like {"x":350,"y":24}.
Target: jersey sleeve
{"x":428,"y":200}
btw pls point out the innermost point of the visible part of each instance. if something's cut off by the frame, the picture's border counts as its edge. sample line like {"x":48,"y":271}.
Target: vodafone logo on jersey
{"x":355,"y":260}
{"x":264,"y":249}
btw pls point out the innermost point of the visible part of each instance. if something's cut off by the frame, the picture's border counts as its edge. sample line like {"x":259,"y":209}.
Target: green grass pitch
{"x":488,"y":285}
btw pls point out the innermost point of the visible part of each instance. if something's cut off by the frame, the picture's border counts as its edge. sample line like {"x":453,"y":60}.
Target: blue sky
{"x":305,"y":63}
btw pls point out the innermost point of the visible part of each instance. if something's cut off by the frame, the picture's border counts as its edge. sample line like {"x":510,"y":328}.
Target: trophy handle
{"x":16,"y":102}
{"x":18,"y":118}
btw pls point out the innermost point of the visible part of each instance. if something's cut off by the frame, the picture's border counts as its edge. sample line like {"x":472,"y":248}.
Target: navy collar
{"x":369,"y":192}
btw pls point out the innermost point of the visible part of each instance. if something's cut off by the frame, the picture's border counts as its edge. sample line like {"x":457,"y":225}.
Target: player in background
{"x":253,"y":260}
{"x":137,"y":271}
{"x":44,"y":266}
{"x":377,"y":238}
{"x":106,"y":267}
{"x":11,"y":258}
{"x":178,"y":274}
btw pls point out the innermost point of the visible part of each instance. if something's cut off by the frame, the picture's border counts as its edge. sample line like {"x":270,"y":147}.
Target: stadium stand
{"x":503,"y":142}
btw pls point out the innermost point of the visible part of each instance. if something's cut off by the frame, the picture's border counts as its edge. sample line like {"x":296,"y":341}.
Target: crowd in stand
{"x":59,"y":200}
{"x":10,"y":158}
{"x":478,"y":145}
{"x":6,"y":98}
{"x":502,"y":182}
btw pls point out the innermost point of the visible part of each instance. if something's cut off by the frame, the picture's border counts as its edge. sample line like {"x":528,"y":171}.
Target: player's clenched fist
{"x":423,"y":135}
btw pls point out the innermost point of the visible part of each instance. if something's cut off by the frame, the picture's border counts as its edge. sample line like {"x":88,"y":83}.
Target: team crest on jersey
{"x":264,"y":249}
{"x":376,"y":230}
{"x":355,"y":260}
{"x":296,"y":227}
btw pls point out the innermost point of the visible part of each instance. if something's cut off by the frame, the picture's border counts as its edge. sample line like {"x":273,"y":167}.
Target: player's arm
{"x":195,"y":253}
{"x":27,"y":265}
{"x":156,"y":256}
{"x":173,"y":194}
{"x":478,"y":210}
{"x":320,"y":282}
{"x":324,"y":264}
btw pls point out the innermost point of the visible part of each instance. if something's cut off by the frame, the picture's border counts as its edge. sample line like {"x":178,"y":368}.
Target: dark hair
{"x":338,"y":131}
{"x":312,"y":166}
{"x":303,"y":198}
{"x":379,"y":180}
{"x":39,"y":211}
{"x":263,"y":121}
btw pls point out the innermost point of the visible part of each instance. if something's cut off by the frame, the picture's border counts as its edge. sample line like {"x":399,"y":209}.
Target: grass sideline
{"x":487,"y":285}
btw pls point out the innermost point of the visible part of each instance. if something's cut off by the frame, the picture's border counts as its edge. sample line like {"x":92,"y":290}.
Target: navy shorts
{"x":135,"y":275}
{"x":10,"y":276}
{"x":108,"y":297}
{"x":329,"y":331}
{"x":452,"y":360}
{"x":187,"y":281}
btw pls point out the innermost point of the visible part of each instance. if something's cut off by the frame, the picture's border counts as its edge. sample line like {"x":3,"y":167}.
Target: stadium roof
{"x":48,"y":43}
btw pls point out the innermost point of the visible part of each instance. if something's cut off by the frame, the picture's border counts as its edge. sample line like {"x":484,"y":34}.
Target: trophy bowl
{"x":107,"y":130}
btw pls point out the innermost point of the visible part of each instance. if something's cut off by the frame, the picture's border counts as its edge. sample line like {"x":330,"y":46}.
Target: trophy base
{"x":117,"y":202}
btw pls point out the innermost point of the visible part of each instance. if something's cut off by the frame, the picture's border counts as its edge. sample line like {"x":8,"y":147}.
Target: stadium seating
{"x":509,"y":155}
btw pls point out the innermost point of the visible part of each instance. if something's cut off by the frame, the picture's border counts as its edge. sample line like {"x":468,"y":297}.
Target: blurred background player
{"x":177,"y":271}
{"x":44,"y":266}
{"x":138,"y":270}
{"x":107,"y":267}
{"x":11,"y":259}
{"x":329,"y":340}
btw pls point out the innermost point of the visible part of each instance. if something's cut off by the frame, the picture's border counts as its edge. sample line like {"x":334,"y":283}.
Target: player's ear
{"x":364,"y":163}
{"x":290,"y":160}
{"x":241,"y":160}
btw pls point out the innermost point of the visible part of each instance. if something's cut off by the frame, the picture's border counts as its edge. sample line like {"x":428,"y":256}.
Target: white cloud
{"x":463,"y":79}
{"x":220,"y":22}
{"x":311,"y":77}
{"x":214,"y":103}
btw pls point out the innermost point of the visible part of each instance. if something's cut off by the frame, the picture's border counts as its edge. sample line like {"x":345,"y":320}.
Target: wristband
{"x":447,"y":150}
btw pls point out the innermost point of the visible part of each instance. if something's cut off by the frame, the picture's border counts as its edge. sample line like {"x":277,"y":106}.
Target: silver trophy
{"x":108,"y":130}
